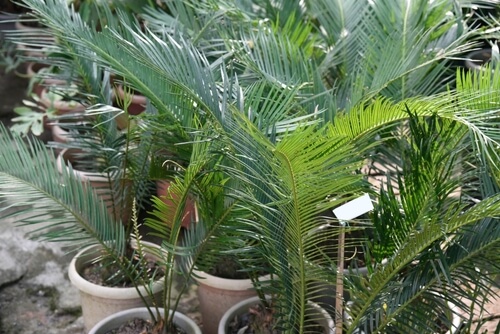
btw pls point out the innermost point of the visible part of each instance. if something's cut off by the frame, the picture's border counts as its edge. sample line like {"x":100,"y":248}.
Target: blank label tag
{"x":354,"y":208}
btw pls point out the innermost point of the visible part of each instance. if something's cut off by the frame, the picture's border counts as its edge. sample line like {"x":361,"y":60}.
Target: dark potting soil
{"x":228,"y":267}
{"x":140,"y":326}
{"x":99,"y":274}
{"x":134,"y":326}
{"x":104,"y":275}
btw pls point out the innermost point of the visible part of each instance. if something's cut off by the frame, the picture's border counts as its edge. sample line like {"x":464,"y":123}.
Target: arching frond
{"x":77,"y":214}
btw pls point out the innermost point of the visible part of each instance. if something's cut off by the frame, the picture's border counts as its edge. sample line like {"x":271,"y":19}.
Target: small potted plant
{"x":87,"y":221}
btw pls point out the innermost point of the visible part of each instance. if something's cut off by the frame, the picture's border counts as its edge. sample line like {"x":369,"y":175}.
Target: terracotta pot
{"x":38,"y":83}
{"x":217,"y":295}
{"x":117,"y":319}
{"x":190,"y":211}
{"x":239,"y":309}
{"x":99,"y":302}
{"x":38,"y":35}
{"x":137,"y":104}
{"x":61,"y":107}
{"x":58,"y":107}
{"x":60,"y":136}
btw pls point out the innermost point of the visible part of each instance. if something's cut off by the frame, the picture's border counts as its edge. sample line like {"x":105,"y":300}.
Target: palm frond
{"x":378,"y":41}
{"x":288,"y":185}
{"x":422,"y":267}
{"x":77,"y":213}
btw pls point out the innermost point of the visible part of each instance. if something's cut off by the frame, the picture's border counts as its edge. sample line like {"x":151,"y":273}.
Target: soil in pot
{"x":107,"y":274}
{"x":138,"y":321}
{"x":133,"y":326}
{"x":260,"y":320}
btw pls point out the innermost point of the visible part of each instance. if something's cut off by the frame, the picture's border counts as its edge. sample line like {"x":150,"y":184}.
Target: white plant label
{"x":354,"y":208}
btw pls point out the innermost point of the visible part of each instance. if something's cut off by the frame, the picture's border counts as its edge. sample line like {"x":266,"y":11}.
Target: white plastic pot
{"x":117,"y":319}
{"x":99,"y":302}
{"x":323,"y":318}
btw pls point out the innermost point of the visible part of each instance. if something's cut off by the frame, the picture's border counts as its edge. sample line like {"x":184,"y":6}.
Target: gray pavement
{"x":35,"y":293}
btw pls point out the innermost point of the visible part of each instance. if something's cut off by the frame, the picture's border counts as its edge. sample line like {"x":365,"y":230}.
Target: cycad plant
{"x":438,"y":200}
{"x":434,"y":249}
{"x":284,"y":123}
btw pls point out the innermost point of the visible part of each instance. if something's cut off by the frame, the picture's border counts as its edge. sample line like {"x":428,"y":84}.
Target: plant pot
{"x":99,"y":302}
{"x":477,"y":59}
{"x":99,"y":182}
{"x":117,"y":319}
{"x":239,"y":309}
{"x":59,"y":106}
{"x":36,"y":81}
{"x":452,"y":315}
{"x":41,"y":43}
{"x":137,"y":103}
{"x":61,"y":136}
{"x":217,"y":295}
{"x":456,"y":321}
{"x":190,"y":211}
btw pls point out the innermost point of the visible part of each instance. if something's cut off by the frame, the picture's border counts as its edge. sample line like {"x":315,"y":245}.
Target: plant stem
{"x":340,"y":281}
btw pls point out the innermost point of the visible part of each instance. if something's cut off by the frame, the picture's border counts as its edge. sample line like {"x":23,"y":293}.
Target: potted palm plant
{"x":102,"y":143}
{"x":422,"y":239}
{"x":121,"y":253}
{"x":223,"y":276}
